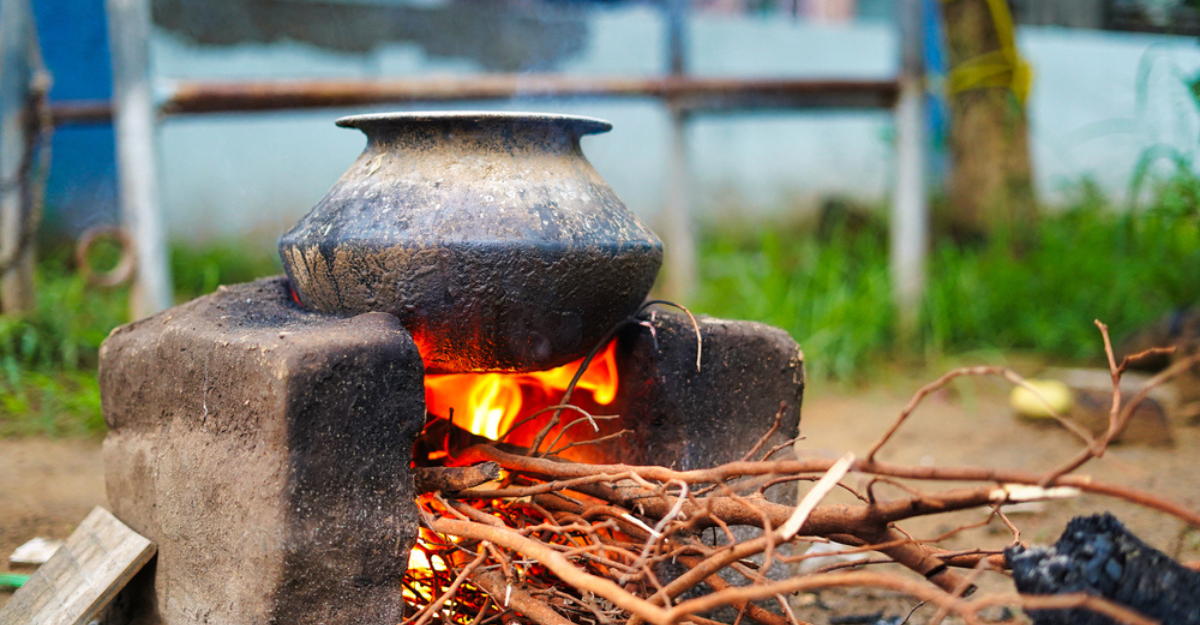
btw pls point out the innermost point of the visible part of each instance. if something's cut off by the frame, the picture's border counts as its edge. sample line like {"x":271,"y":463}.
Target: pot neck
{"x":509,"y":131}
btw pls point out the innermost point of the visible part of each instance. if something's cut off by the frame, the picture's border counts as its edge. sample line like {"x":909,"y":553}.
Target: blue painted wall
{"x":81,"y":190}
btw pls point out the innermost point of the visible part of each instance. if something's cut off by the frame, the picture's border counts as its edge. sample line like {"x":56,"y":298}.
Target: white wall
{"x":1101,"y":101}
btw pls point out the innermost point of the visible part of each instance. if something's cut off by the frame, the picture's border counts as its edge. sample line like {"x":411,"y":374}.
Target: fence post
{"x":136,"y":119}
{"x":18,"y":67}
{"x":680,"y":246}
{"x":909,"y":221}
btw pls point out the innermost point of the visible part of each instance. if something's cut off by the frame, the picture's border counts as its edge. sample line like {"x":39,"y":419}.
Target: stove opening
{"x":504,"y":409}
{"x":515,"y":408}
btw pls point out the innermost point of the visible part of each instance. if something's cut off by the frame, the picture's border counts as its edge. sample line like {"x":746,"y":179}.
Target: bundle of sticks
{"x":518,"y":536}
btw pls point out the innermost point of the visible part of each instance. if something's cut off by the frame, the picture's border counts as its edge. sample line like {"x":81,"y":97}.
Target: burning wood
{"x":553,"y":541}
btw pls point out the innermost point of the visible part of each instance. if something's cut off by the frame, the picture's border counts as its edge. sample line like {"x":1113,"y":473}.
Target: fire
{"x":488,"y":404}
{"x":492,"y":405}
{"x":429,"y":570}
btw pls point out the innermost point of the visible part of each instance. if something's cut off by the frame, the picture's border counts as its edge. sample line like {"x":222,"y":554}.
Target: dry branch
{"x":454,"y":479}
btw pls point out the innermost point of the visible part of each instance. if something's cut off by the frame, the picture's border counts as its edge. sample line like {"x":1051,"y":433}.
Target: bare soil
{"x":48,"y":486}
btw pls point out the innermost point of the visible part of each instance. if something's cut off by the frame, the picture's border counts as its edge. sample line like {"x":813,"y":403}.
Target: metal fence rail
{"x":690,"y":93}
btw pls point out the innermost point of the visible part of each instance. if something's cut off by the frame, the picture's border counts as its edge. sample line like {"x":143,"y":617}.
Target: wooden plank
{"x":84,"y":575}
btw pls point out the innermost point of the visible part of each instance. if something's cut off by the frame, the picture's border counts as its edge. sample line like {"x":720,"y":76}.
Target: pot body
{"x":488,"y":234}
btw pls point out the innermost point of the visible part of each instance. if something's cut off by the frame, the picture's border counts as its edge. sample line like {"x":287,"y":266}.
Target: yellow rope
{"x":999,"y":68}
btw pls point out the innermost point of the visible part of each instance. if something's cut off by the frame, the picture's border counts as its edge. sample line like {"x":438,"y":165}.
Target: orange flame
{"x":487,"y":404}
{"x":426,"y":561}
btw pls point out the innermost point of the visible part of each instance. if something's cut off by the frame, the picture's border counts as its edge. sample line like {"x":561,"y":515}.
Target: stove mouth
{"x":551,"y":412}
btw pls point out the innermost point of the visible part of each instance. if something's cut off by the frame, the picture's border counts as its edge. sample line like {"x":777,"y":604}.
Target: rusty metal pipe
{"x":81,"y":112}
{"x":687,"y":92}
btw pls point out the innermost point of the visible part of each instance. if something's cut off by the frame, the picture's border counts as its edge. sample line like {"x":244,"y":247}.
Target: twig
{"x":1096,"y":604}
{"x":558,"y":564}
{"x":967,"y":583}
{"x":945,"y":379}
{"x":691,"y":317}
{"x":787,"y":609}
{"x":780,"y":447}
{"x":657,"y":532}
{"x":604,"y":341}
{"x":754,"y":612}
{"x":731,"y":470}
{"x":554,"y":420}
{"x":566,"y":428}
{"x":801,"y":584}
{"x":815,"y":495}
{"x":500,"y":590}
{"x":514,"y":492}
{"x":604,"y":529}
{"x":590,"y":441}
{"x":1118,"y":420}
{"x":762,"y":440}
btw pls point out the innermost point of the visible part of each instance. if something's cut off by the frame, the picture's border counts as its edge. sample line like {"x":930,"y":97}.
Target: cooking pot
{"x":488,"y":234}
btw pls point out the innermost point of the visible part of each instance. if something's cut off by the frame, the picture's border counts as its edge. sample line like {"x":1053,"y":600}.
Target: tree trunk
{"x":991,"y":184}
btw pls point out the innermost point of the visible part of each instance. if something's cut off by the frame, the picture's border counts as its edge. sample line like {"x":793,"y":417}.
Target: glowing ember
{"x":429,"y":571}
{"x":418,"y":558}
{"x":487,"y":404}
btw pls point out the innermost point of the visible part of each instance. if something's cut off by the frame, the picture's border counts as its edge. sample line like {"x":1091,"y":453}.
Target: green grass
{"x":48,"y":357}
{"x":199,"y":270}
{"x":1089,"y":262}
{"x":832,"y":296}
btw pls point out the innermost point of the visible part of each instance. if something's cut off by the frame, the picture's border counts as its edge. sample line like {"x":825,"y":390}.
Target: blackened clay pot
{"x":488,"y":234}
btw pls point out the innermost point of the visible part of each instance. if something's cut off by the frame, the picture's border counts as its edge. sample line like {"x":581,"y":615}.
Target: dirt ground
{"x":47,"y":487}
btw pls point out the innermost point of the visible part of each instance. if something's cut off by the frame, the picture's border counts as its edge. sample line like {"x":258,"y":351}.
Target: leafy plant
{"x":48,"y":357}
{"x":197,"y":270}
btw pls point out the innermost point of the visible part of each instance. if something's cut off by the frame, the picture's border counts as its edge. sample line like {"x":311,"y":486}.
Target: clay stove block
{"x":694,"y":419}
{"x":266,"y":450}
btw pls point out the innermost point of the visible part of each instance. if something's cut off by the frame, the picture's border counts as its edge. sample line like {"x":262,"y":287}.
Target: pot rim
{"x":578,"y":124}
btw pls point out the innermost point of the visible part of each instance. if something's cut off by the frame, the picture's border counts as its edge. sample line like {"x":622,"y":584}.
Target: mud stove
{"x":266,"y":445}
